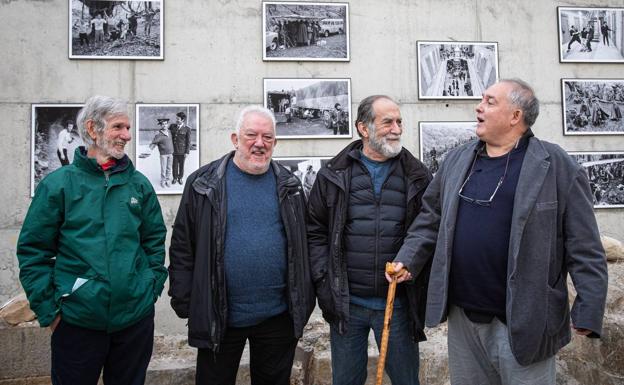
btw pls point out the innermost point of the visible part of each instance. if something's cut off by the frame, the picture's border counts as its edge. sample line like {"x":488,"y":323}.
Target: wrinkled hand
{"x":55,"y":322}
{"x":401,"y":275}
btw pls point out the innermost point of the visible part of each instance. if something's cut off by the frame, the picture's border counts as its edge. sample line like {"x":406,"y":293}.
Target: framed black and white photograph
{"x":456,"y":70}
{"x":438,"y":138}
{"x":592,"y":106}
{"x":591,"y":35}
{"x":167,"y":144}
{"x":310,"y":108}
{"x":54,"y":138}
{"x":305,"y":168}
{"x":100,"y":29}
{"x":605,"y":171}
{"x":305,"y":31}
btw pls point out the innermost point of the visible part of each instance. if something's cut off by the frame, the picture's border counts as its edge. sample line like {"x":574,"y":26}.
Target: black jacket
{"x":327,"y":208}
{"x":196,"y":271}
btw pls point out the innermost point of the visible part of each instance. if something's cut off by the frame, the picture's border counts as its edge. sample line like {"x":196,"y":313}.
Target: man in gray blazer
{"x":505,"y":219}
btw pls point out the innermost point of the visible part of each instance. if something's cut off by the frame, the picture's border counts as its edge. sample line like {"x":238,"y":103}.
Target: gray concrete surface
{"x":213,"y":56}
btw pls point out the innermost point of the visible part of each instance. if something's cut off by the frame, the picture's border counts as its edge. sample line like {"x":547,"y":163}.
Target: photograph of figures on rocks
{"x":456,"y":70}
{"x":310,"y":108}
{"x":54,"y":138}
{"x":438,"y":138}
{"x":305,"y":31}
{"x":115,"y":29}
{"x":605,"y":171}
{"x":593,"y":106}
{"x":591,"y":35}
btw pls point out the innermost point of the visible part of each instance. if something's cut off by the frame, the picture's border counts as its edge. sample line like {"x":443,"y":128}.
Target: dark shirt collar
{"x":523,"y":142}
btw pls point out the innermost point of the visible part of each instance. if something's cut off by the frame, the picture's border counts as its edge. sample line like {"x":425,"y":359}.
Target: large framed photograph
{"x":605,"y":171}
{"x":591,"y":35}
{"x":167,"y":144}
{"x":54,"y":138}
{"x":310,"y":108}
{"x":116,"y":29}
{"x":592,"y":106}
{"x":305,"y":168}
{"x":438,"y":138}
{"x":305,"y":31}
{"x":455,"y":69}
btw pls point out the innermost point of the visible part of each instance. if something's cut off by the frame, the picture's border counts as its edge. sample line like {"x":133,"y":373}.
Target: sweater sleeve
{"x":37,"y":249}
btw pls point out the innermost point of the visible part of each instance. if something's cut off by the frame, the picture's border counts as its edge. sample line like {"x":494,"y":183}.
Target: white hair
{"x":254,"y":110}
{"x":97,"y":109}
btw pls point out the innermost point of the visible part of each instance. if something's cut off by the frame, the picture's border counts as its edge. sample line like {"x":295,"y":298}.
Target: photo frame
{"x":455,"y":69}
{"x":305,"y":31}
{"x":53,"y":139}
{"x":605,"y":171}
{"x":305,"y":168}
{"x":309,"y":108}
{"x":167,"y":144}
{"x":590,"y":35}
{"x":116,"y":30}
{"x":592,"y":106}
{"x":438,"y":138}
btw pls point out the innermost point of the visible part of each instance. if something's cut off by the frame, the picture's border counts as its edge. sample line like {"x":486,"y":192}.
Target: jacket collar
{"x":82,"y":161}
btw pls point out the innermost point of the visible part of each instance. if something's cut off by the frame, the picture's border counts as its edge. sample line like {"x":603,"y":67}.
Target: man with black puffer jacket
{"x":359,"y":210}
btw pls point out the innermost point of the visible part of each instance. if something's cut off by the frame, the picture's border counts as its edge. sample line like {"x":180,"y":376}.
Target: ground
{"x":335,"y":47}
{"x":299,"y":126}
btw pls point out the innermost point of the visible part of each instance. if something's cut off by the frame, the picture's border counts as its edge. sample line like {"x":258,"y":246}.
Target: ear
{"x":234,"y":139}
{"x":516,"y":117}
{"x":362,"y":129}
{"x":91,"y":129}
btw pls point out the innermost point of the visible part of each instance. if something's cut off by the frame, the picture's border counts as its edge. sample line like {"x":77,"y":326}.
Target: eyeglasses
{"x":484,"y":202}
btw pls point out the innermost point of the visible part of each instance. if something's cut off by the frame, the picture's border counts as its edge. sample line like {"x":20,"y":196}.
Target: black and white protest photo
{"x":54,"y":138}
{"x":605,"y":171}
{"x":305,"y":169}
{"x":303,"y":31}
{"x":456,"y":70}
{"x":310,"y":108}
{"x":591,"y":35}
{"x":593,"y":106}
{"x":438,"y":138}
{"x":167,"y":144}
{"x":116,"y":29}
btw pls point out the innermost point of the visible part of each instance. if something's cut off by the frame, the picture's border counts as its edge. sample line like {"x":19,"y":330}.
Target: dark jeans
{"x":64,"y":162}
{"x":349,"y":351}
{"x":84,"y":39}
{"x":178,"y":166}
{"x":79,"y":354}
{"x":271,"y":353}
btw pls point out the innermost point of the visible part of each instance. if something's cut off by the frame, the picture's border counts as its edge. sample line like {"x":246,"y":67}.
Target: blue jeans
{"x":350,"y":350}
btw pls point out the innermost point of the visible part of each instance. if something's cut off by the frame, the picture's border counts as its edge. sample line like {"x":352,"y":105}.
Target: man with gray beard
{"x":359,"y":209}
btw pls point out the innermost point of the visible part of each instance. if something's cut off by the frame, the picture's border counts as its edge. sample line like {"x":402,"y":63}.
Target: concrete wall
{"x":213,"y":52}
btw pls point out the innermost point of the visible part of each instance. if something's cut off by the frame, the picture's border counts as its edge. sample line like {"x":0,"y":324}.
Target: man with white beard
{"x":359,"y":209}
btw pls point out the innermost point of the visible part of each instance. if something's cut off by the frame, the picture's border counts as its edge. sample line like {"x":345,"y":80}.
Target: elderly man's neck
{"x":100,"y":158}
{"x":501,"y":146}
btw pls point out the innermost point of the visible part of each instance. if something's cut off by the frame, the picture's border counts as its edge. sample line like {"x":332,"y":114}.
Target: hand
{"x":581,"y":331}
{"x":401,"y":275}
{"x":55,"y":322}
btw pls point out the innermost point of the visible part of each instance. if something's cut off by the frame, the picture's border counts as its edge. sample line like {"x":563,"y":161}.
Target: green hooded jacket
{"x":92,"y":246}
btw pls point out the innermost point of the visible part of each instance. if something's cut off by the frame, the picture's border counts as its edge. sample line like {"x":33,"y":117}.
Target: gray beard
{"x":383,"y":147}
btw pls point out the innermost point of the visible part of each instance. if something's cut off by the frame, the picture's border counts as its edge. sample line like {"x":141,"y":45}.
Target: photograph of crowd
{"x":310,"y":108}
{"x":456,"y":70}
{"x":593,"y":106}
{"x":53,"y":139}
{"x":605,"y":171}
{"x":101,"y":29}
{"x":438,"y":138}
{"x":305,"y":31}
{"x":305,"y":169}
{"x":167,"y":144}
{"x":591,"y":35}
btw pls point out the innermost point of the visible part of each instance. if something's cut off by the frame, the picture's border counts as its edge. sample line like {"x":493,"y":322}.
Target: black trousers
{"x":271,"y":353}
{"x":178,"y":166}
{"x":64,"y":162}
{"x":79,"y":354}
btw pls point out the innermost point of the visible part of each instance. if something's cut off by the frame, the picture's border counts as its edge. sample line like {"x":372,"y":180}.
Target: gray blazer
{"x":553,"y":233}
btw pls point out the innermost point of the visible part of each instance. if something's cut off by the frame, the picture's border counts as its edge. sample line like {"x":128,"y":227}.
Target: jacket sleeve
{"x":37,"y":249}
{"x":318,"y":230}
{"x":182,"y":254}
{"x":585,"y":257}
{"x":419,"y":243}
{"x":153,"y":234}
{"x":187,"y":140}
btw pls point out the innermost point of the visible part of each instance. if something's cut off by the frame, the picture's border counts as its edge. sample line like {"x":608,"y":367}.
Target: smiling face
{"x":497,"y":118}
{"x":112,"y":141}
{"x":383,"y":141}
{"x":254,"y":144}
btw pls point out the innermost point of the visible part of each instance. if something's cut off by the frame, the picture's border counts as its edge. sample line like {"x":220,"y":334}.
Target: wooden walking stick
{"x":383,"y":349}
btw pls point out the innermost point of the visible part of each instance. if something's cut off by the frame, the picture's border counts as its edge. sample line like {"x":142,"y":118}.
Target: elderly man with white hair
{"x":91,"y":255}
{"x":239,"y":259}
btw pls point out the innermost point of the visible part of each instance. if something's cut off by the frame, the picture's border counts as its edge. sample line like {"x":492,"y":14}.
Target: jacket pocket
{"x":557,"y":308}
{"x":325,"y":299}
